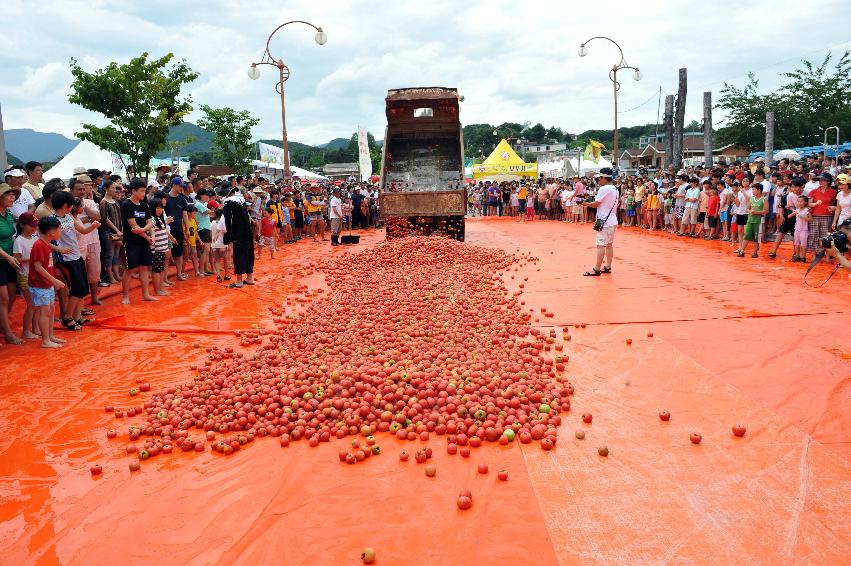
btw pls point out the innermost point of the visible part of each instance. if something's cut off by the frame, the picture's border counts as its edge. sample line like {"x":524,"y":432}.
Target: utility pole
{"x":707,"y":129}
{"x":679,"y":120}
{"x":669,"y":130}
{"x":769,"y":138}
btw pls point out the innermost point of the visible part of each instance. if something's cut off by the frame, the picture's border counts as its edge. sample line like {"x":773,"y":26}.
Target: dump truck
{"x":422,"y":164}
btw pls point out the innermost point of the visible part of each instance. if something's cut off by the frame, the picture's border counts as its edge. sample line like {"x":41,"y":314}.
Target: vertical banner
{"x":363,"y":153}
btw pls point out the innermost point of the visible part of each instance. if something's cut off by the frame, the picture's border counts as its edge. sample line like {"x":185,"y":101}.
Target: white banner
{"x":270,"y":153}
{"x":363,"y":154}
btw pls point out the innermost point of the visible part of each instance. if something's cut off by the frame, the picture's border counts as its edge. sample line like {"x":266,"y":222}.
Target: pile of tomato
{"x":414,"y":337}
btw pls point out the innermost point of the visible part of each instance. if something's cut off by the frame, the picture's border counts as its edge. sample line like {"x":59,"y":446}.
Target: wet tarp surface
{"x":735,"y":341}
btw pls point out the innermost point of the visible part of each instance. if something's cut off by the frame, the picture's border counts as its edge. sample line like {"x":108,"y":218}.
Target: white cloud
{"x":513,"y":62}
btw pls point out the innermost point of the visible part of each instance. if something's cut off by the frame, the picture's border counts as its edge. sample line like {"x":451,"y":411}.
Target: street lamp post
{"x":284,"y":73}
{"x":613,"y":76}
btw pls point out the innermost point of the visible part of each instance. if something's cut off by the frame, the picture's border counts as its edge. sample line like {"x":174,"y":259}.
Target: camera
{"x":838,"y":239}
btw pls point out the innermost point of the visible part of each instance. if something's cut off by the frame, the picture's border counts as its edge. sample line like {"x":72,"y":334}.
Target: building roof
{"x":340,"y":167}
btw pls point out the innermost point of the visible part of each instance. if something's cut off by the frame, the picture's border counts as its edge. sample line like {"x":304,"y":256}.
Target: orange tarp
{"x":735,"y":340}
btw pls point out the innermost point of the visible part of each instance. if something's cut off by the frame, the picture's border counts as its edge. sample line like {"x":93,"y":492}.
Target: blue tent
{"x":829,"y":151}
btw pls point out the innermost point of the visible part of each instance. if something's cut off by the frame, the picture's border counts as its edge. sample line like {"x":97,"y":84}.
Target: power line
{"x":639,"y":106}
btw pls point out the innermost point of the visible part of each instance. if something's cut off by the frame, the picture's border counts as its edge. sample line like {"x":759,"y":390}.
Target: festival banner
{"x":363,"y":155}
{"x":593,"y":150}
{"x":270,"y":153}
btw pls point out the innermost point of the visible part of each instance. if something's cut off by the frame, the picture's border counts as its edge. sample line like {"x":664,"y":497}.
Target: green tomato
{"x":376,"y":449}
{"x":544,"y":408}
{"x":510,"y":434}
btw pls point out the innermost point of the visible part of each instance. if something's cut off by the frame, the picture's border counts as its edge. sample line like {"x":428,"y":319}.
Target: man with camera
{"x":836,"y":244}
{"x":605,"y":202}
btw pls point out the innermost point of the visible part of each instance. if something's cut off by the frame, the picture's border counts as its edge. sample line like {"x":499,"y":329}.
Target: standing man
{"x":605,"y":202}
{"x":135,"y":225}
{"x":175,"y":207}
{"x":335,"y":214}
{"x":14,"y":177}
{"x":35,"y":178}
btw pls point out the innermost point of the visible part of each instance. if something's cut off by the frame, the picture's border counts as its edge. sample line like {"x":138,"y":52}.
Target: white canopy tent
{"x":88,"y":155}
{"x":295,"y":171}
{"x":587,"y":166}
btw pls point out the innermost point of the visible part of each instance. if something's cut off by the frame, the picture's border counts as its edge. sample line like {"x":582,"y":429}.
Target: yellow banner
{"x":524,"y":170}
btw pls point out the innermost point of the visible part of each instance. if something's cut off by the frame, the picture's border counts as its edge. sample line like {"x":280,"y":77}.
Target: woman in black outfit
{"x":238,"y":232}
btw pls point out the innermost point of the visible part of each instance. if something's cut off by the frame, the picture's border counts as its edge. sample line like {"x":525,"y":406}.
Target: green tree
{"x":813,"y":98}
{"x":141,"y":99}
{"x":536,"y":133}
{"x":231,"y":135}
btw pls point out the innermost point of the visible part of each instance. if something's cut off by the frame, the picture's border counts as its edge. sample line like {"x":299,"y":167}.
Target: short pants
{"x":205,"y":236}
{"x":713,"y":221}
{"x":8,"y":274}
{"x":23,"y":282}
{"x":606,"y":237}
{"x":157,"y":262}
{"x":177,"y":232}
{"x":93,"y":261}
{"x":725,"y":216}
{"x":690,"y":216}
{"x":751,"y":231}
{"x":788,"y":226}
{"x":266,"y":241}
{"x":74,"y":272}
{"x":42,"y":297}
{"x":801,"y":237}
{"x":137,"y":256}
{"x":741,"y":219}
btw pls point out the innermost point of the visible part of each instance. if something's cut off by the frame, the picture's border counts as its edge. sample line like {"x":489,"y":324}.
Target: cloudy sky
{"x":511,"y":63}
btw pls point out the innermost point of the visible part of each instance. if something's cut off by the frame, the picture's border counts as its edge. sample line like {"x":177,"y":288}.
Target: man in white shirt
{"x":811,"y":184}
{"x":14,"y":177}
{"x":335,"y":214}
{"x":605,"y":202}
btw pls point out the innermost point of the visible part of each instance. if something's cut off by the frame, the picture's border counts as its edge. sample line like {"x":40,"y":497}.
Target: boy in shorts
{"x":191,"y":247}
{"x":267,"y":233}
{"x":43,"y":281}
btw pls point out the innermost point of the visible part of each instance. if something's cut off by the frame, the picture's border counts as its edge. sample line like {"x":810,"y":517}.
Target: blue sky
{"x":512,"y":61}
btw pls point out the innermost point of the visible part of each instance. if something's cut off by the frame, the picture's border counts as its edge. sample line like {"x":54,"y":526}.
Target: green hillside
{"x":12,"y":160}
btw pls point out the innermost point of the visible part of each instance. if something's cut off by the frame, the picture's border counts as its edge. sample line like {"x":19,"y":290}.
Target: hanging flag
{"x":593,"y":150}
{"x":363,"y":155}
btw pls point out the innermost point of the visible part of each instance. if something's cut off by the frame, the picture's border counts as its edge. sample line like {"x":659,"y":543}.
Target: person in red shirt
{"x":712,"y":207}
{"x":43,"y":281}
{"x":822,"y":206}
{"x":267,"y":233}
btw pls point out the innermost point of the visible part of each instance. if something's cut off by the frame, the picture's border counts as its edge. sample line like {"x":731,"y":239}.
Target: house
{"x":341,"y":170}
{"x":539,"y":148}
{"x":651,"y":152}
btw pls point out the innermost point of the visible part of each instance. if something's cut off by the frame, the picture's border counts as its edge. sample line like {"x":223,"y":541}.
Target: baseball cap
{"x":827,"y":177}
{"x":177,"y":181}
{"x":28,"y":219}
{"x":83,"y":178}
{"x":15,"y":172}
{"x":844,"y":179}
{"x":79,"y":171}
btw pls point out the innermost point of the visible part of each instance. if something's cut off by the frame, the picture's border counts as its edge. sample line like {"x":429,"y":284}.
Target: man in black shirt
{"x":135,"y":223}
{"x":175,"y":207}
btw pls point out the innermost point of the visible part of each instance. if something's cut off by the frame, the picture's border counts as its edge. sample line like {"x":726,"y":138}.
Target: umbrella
{"x":787,"y":154}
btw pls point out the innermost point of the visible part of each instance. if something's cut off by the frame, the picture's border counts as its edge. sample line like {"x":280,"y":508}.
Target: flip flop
{"x":593,"y":273}
{"x":607,"y":270}
{"x":87,"y":312}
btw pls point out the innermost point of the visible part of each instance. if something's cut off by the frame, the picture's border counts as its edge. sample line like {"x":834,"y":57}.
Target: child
{"x":712,"y":207}
{"x":669,"y":210}
{"x":192,"y":241}
{"x":161,"y":235}
{"x":287,"y":227}
{"x":219,"y":248}
{"x":630,"y":207}
{"x":530,"y":211}
{"x":267,"y":233}
{"x":802,"y":228}
{"x":653,"y":205}
{"x":347,"y":213}
{"x":27,"y":226}
{"x":756,"y":210}
{"x":42,"y":280}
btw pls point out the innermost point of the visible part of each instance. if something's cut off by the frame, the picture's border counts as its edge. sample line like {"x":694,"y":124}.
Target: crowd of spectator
{"x":797,"y":202}
{"x":65,"y":240}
